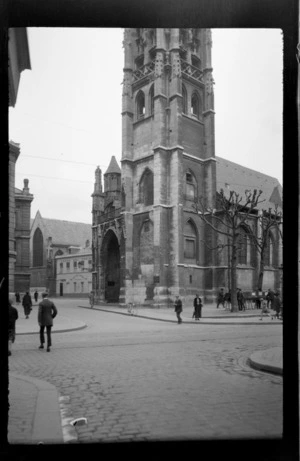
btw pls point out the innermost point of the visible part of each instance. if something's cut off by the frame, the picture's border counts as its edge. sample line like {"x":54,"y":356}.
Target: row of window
{"x":193,"y":107}
{"x":77,"y":266}
{"x":76,"y":287}
{"x":245,"y":253}
{"x":146,"y":187}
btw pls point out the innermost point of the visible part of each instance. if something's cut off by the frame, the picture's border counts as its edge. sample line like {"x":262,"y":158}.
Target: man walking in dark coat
{"x":12,"y":317}
{"x":27,"y":303}
{"x":46,"y":313}
{"x":178,"y":308}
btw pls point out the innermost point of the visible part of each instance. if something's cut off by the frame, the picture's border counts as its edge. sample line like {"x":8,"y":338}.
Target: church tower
{"x":168,"y":160}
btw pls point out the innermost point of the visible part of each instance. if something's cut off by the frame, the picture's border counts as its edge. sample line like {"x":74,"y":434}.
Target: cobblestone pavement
{"x":138,"y":379}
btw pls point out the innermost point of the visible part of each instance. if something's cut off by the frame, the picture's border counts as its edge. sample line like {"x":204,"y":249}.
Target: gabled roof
{"x":113,"y":167}
{"x":67,"y":232}
{"x":232,"y":176}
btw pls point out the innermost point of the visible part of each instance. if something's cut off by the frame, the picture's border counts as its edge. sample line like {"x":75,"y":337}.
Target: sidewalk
{"x":210,"y":314}
{"x":34,"y":415}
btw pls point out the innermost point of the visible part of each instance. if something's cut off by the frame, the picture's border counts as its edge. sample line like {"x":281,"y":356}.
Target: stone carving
{"x":176,"y":67}
{"x":209,"y":82}
{"x":126,"y":85}
{"x":159,"y":64}
{"x":208,"y":39}
{"x":127,"y":38}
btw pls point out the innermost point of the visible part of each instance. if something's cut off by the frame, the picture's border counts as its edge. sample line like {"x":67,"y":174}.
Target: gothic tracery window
{"x":190,"y":241}
{"x":245,"y":248}
{"x":269,"y":257}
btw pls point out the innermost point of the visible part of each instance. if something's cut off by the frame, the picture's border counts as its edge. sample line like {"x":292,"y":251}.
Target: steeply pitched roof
{"x":113,"y":167}
{"x":232,"y":176}
{"x":68,"y":232}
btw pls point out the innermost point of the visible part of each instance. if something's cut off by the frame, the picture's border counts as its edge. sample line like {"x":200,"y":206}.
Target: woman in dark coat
{"x":27,"y":303}
{"x":197,"y":307}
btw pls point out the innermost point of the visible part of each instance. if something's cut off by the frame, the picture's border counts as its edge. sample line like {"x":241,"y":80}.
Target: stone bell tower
{"x":168,"y":160}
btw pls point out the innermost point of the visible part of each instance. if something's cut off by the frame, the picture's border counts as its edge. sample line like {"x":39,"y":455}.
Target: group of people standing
{"x":224,"y":299}
{"x":47,"y":311}
{"x":197,"y":308}
{"x":270,"y":300}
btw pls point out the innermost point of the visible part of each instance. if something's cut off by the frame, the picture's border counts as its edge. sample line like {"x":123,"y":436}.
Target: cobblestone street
{"x":140,"y":379}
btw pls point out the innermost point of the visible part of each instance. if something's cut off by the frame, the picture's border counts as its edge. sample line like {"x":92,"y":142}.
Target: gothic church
{"x":147,"y":238}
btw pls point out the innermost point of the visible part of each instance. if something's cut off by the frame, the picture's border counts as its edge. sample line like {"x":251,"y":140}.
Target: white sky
{"x":68,"y":113}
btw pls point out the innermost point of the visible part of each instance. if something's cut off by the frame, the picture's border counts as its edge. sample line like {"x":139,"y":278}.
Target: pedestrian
{"x":92,"y":299}
{"x":276,"y":306}
{"x":12,"y":318}
{"x":257,"y":300}
{"x":27,"y":304}
{"x":46,"y":313}
{"x":197,"y":307}
{"x":240,"y":299}
{"x":264,"y":310}
{"x":270,"y":297}
{"x":18,"y":297}
{"x":36,"y":296}
{"x":178,"y":308}
{"x":227,"y":300}
{"x":220,"y":298}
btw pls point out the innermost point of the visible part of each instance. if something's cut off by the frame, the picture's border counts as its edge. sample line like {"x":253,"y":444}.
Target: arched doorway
{"x":111,"y":267}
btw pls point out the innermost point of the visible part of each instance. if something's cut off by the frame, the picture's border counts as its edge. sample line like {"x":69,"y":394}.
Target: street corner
{"x":268,"y":360}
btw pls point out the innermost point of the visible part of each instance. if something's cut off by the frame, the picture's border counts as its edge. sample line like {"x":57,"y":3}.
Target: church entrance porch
{"x":111,"y":267}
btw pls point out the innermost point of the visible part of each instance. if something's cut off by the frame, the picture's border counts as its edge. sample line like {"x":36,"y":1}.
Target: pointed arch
{"x":196,"y":105}
{"x":184,"y":100}
{"x":140,"y":104}
{"x":191,"y":186}
{"x":146,"y":188}
{"x":151,"y":99}
{"x":38,"y":248}
{"x":270,"y":253}
{"x":245,"y":253}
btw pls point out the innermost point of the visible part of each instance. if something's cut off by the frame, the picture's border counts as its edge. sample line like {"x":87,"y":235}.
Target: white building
{"x":74,"y":272}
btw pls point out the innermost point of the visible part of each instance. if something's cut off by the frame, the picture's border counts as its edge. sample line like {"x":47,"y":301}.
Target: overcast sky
{"x":68,"y":113}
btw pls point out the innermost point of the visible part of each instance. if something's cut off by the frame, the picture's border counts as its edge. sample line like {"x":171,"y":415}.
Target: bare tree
{"x":267,"y":220}
{"x":233,"y":212}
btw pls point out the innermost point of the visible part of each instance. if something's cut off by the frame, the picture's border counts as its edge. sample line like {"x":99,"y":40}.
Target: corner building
{"x":146,"y":236}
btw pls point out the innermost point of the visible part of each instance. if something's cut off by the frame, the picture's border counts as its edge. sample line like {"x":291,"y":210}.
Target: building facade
{"x":50,"y":238}
{"x":18,"y":60}
{"x":149,"y":242}
{"x":74,"y":273}
{"x":23,"y":200}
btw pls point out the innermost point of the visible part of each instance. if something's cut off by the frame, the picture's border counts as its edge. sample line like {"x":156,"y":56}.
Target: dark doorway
{"x":111,"y":258}
{"x":61,"y":289}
